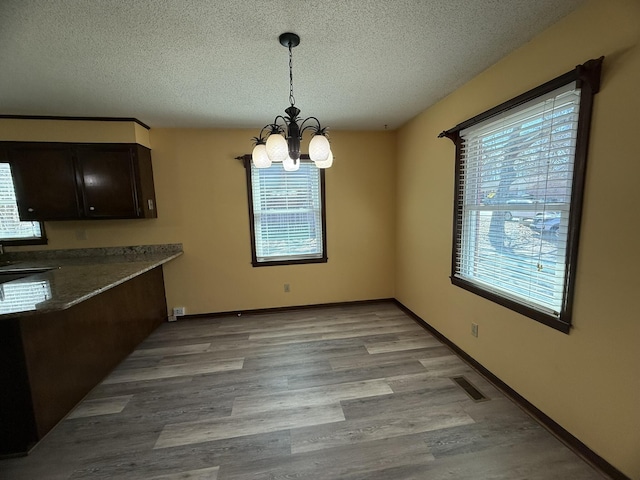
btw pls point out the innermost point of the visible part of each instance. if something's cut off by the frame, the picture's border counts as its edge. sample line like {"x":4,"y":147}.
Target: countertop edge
{"x":112,"y":285}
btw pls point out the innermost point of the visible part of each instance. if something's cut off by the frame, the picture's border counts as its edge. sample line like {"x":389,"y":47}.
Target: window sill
{"x":551,"y":321}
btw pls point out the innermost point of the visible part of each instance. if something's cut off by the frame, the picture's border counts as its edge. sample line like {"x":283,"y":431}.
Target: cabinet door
{"x":108,"y":181}
{"x":45,"y":181}
{"x":145,"y":188}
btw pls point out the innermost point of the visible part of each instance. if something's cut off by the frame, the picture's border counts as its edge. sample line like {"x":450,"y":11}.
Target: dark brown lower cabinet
{"x":51,"y":361}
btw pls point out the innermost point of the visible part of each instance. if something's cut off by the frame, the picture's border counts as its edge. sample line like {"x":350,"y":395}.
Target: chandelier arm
{"x":265,"y":128}
{"x":277,"y":126}
{"x":304,"y":128}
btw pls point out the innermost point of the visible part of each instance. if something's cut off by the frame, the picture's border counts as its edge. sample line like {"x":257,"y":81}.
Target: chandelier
{"x":280,"y":141}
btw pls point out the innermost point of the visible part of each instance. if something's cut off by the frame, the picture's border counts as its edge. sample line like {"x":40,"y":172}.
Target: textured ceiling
{"x":361,"y":64}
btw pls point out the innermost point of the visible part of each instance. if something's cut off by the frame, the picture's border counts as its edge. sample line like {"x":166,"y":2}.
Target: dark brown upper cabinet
{"x":116,"y":181}
{"x":62,"y":181}
{"x":44,"y":180}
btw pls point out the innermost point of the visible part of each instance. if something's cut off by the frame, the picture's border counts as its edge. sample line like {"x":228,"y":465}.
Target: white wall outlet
{"x":474,"y":329}
{"x":178,"y":311}
{"x":287,"y":288}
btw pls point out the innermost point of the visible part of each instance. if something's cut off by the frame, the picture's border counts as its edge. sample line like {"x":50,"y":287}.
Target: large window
{"x":12,"y":230}
{"x":518,"y":197}
{"x":287,"y":214}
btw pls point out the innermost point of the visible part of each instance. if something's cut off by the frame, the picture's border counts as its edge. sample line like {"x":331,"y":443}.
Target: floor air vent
{"x":475,"y":394}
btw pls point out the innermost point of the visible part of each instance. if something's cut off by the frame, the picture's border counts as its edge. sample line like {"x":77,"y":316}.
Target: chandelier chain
{"x":292,"y":99}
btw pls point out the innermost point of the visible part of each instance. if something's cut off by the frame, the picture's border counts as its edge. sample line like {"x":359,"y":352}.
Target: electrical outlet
{"x":287,"y":288}
{"x":178,"y":311}
{"x":474,"y":329}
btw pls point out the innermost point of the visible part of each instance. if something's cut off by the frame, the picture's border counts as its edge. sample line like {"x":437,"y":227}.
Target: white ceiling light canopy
{"x":282,"y":143}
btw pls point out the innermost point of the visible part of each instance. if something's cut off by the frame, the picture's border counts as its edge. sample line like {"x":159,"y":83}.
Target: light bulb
{"x":319,"y":148}
{"x":260,"y":157}
{"x":326,"y":163}
{"x":277,"y":148}
{"x":290,"y":165}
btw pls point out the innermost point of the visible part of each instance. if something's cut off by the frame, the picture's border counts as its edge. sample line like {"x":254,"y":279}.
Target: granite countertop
{"x":71,"y":276}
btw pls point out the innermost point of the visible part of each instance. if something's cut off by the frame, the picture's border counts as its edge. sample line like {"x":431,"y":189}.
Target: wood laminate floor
{"x":354,"y":392}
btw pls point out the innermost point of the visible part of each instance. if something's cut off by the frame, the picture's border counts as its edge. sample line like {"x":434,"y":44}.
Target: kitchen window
{"x":13,"y":231}
{"x":287,"y":214}
{"x":520,"y":170}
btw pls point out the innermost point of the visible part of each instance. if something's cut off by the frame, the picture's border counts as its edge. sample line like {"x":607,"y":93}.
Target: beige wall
{"x":202,"y":203}
{"x":589,"y":380}
{"x":204,"y":200}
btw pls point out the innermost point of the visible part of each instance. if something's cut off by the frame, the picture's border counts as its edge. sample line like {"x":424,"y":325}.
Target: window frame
{"x":16,"y":242}
{"x":246,"y":160}
{"x":587,"y":78}
{"x":42,"y":240}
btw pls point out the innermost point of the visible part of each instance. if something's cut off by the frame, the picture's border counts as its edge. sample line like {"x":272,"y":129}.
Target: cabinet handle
{"x":92,"y":208}
{"x":30,"y":210}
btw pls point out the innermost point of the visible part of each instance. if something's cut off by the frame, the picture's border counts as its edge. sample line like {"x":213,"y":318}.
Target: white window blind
{"x":11,"y":228}
{"x":515,"y":182}
{"x":23,"y":295}
{"x":287,"y":213}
